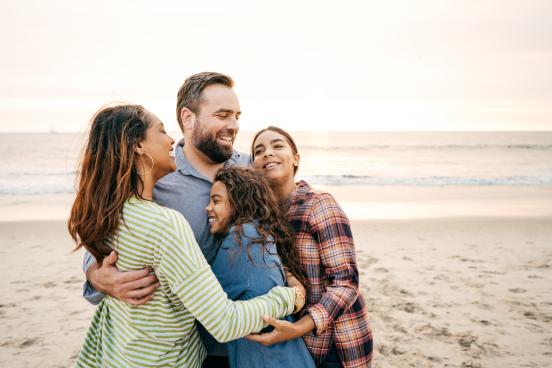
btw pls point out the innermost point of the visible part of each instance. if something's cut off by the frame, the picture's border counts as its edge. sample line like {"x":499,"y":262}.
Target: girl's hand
{"x":283,"y":330}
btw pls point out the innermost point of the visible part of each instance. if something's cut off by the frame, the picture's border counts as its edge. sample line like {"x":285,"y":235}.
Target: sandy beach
{"x":454,"y":277}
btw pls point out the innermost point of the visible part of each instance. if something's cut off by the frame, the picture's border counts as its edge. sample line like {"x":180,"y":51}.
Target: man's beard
{"x":207,"y":143}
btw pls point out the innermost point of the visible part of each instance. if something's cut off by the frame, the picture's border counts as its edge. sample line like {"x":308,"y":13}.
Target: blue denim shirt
{"x":246,"y":270}
{"x":187,"y":191}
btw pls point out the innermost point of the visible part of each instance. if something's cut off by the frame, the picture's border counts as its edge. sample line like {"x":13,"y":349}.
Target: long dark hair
{"x":252,"y":199}
{"x":107,"y":176}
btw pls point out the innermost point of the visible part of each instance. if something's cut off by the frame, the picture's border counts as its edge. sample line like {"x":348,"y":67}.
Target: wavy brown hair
{"x":253,"y":201}
{"x":107,"y":176}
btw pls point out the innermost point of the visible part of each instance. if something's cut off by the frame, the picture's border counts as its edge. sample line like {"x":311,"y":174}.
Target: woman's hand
{"x":283,"y":330}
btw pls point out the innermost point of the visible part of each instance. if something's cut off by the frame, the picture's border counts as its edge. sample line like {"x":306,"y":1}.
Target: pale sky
{"x":303,"y":65}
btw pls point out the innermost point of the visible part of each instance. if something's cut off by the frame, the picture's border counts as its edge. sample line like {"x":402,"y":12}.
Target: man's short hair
{"x":189,"y":94}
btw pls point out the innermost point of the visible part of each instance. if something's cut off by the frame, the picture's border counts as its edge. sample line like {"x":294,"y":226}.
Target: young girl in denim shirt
{"x":254,"y":242}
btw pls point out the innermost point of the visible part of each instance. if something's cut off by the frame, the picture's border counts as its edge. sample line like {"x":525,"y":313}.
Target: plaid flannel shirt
{"x":326,"y":249}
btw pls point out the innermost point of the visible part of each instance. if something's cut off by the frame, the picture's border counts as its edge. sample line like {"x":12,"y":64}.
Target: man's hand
{"x":132,"y":287}
{"x":283,"y":330}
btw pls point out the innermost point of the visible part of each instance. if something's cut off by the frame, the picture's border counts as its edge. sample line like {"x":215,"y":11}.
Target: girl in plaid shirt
{"x":334,"y":323}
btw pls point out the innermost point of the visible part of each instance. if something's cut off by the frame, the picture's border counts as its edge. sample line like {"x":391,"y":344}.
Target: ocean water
{"x":46,"y":163}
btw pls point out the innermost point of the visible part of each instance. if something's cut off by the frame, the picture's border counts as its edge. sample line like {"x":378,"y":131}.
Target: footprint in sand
{"x":29,"y":342}
{"x":476,"y":349}
{"x":398,"y":350}
{"x":530,"y":315}
{"x":383,"y":349}
{"x":492,"y":272}
{"x":408,"y":307}
{"x":517,"y":290}
{"x":471,"y":364}
{"x":466,"y":341}
{"x":367,"y":261}
{"x":434,"y":359}
{"x":483,"y":322}
{"x":465,"y":259}
{"x":441,"y":277}
{"x":22,"y":343}
{"x":437,"y":332}
{"x":73,"y":280}
{"x":483,"y":305}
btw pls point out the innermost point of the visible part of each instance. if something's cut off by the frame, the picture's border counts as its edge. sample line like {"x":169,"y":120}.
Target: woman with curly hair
{"x":255,"y":247}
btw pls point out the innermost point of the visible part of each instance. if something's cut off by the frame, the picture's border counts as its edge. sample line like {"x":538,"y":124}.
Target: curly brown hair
{"x":107,"y":176}
{"x":253,"y":201}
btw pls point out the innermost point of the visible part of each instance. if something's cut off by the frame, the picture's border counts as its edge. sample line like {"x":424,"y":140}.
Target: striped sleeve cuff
{"x":320,"y":316}
{"x":224,"y":319}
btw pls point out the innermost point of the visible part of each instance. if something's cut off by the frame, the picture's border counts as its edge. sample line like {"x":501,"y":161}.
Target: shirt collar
{"x":299,"y":194}
{"x":184,"y":167}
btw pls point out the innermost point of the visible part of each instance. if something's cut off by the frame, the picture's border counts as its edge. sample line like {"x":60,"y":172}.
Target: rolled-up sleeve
{"x":88,"y":292}
{"x":332,"y":230}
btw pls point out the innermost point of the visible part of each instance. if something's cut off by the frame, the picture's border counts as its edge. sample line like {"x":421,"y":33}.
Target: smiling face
{"x":159,"y":146}
{"x":216,"y":123}
{"x":219,"y":210}
{"x":274,"y":157}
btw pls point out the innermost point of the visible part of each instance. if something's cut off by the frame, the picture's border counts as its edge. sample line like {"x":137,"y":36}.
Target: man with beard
{"x":207,"y":110}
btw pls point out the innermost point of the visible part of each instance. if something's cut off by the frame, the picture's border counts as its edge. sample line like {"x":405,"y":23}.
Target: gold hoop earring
{"x":152,"y":164}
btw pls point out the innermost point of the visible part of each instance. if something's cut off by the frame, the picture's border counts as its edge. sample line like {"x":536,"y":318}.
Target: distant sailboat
{"x":52,"y":130}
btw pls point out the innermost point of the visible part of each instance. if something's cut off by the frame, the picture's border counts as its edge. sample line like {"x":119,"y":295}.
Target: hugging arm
{"x":332,"y":231}
{"x":133,"y":287}
{"x":182,"y":266}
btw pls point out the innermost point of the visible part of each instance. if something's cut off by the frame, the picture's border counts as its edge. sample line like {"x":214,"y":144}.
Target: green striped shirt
{"x":162,"y":333}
